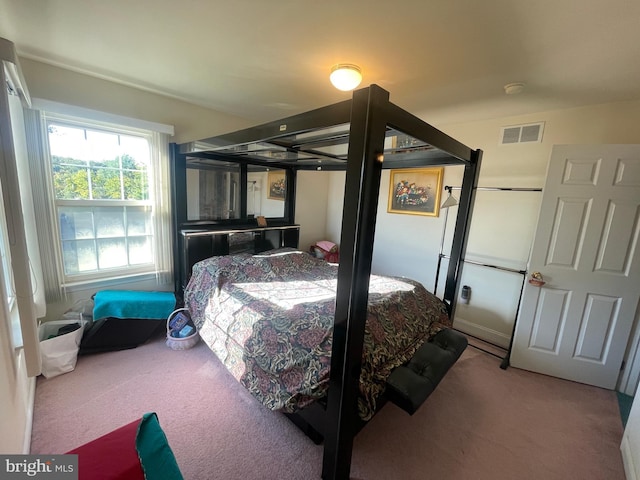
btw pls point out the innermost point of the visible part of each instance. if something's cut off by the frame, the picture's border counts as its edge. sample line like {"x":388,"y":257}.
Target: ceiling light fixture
{"x":513,"y":88}
{"x":345,"y":76}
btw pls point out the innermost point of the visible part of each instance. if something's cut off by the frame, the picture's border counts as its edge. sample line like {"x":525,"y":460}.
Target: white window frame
{"x":68,"y":281}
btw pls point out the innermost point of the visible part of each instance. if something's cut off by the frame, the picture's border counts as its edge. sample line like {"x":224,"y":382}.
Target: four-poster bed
{"x":355,"y":136}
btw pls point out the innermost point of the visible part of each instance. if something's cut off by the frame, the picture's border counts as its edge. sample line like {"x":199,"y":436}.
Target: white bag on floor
{"x":60,"y":353}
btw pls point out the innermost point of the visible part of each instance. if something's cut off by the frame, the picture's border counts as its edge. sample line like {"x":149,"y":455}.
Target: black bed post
{"x":364,"y":168}
{"x":461,"y":232}
{"x":178,"y":175}
{"x":290,"y":204}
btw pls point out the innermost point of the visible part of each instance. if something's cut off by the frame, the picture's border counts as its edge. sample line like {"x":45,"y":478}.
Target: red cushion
{"x":110,"y":457}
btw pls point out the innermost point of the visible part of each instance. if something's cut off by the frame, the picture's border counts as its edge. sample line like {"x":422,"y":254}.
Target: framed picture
{"x":277,"y":182}
{"x":415,"y":191}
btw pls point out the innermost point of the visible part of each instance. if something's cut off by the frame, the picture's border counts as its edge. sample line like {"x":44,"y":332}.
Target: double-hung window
{"x":102,"y":179}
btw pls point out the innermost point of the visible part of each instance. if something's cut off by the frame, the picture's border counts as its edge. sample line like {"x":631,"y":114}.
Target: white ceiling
{"x":446,"y":60}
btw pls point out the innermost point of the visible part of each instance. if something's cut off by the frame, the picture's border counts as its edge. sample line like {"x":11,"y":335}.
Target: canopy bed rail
{"x":361,"y":136}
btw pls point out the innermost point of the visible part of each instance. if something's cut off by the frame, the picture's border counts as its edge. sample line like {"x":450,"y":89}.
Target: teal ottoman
{"x":125,"y":319}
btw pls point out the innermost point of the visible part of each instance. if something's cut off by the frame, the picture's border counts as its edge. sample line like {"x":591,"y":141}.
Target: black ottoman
{"x":409,"y":385}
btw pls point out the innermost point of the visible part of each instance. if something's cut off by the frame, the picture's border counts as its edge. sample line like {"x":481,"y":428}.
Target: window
{"x":102,"y":178}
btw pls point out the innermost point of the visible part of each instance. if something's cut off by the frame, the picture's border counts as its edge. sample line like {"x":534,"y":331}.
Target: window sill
{"x":108,"y":282}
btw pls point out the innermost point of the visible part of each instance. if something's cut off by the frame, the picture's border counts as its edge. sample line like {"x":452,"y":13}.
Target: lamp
{"x":345,"y":76}
{"x":450,"y":201}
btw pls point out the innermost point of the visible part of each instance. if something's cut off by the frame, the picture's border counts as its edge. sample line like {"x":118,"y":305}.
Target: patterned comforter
{"x":269,"y":319}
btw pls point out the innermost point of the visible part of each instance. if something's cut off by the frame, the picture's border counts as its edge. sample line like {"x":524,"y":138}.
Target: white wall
{"x":312,"y":192}
{"x":335,"y":200}
{"x":16,"y":397}
{"x":504,"y":222}
{"x":190,"y":121}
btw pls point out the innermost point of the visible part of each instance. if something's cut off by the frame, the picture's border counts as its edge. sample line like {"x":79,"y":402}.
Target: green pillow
{"x":156,"y":456}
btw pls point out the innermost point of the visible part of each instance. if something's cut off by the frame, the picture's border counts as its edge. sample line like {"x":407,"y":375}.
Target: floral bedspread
{"x":269,"y":319}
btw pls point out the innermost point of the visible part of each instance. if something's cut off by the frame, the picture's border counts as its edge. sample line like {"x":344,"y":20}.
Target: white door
{"x":576,"y":326}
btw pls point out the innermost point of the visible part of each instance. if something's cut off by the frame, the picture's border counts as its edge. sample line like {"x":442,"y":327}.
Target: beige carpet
{"x":481,"y":423}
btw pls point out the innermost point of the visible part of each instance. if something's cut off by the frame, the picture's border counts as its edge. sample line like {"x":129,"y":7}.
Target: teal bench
{"x":124,"y":319}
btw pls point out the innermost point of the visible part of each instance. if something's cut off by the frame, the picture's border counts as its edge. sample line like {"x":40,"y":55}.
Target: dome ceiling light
{"x":345,"y":76}
{"x":513,"y":88}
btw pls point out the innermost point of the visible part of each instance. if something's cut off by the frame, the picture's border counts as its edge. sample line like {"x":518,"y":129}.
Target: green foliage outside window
{"x":119,"y":179}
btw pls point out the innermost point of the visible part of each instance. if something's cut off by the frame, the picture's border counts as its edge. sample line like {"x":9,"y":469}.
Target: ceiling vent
{"x":529,"y":133}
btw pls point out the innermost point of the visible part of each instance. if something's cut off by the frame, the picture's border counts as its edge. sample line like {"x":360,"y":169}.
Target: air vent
{"x":530,"y":133}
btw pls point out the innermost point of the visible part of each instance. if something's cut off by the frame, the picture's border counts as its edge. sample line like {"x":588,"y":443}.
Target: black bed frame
{"x":370,"y":118}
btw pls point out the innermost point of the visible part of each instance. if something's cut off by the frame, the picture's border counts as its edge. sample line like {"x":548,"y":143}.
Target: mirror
{"x":267,"y":194}
{"x":214,"y":190}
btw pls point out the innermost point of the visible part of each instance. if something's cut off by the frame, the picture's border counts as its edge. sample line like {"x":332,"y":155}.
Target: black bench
{"x":409,"y":385}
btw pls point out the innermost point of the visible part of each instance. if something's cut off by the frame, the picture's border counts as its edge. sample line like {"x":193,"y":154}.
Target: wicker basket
{"x":176,"y":343}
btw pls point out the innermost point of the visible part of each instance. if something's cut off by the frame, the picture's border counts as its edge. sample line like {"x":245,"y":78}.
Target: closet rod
{"x":509,"y":189}
{"x":505,"y":360}
{"x":497,"y":267}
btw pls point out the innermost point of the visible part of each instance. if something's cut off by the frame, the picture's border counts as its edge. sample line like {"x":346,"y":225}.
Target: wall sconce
{"x":345,"y":76}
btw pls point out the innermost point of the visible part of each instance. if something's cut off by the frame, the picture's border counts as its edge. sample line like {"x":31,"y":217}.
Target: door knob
{"x":536,"y":279}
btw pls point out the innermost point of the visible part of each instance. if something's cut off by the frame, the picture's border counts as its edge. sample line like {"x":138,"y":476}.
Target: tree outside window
{"x":101,"y":184}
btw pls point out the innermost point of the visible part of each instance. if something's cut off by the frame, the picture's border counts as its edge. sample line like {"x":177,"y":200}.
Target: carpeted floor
{"x":481,"y":423}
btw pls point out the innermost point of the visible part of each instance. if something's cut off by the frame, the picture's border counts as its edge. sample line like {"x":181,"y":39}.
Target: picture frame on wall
{"x":415,"y":191}
{"x":277,"y":182}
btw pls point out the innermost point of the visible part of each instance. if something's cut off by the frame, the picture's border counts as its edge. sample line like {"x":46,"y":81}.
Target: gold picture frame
{"x":415,"y":191}
{"x":277,"y":185}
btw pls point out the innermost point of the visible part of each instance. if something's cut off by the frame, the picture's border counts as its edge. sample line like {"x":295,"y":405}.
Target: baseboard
{"x":627,"y":459}
{"x":481,"y":332}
